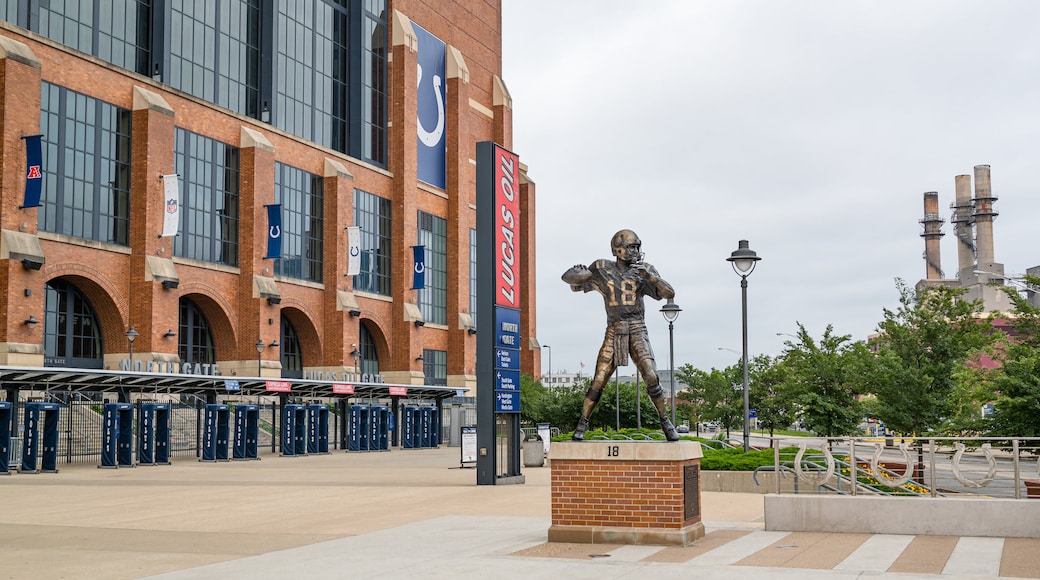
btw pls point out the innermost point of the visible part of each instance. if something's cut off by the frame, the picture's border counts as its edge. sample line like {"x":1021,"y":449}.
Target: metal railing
{"x":913,"y":466}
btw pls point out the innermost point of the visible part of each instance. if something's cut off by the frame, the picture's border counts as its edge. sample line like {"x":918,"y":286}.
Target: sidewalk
{"x":408,"y":513}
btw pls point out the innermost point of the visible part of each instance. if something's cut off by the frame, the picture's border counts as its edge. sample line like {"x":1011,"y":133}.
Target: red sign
{"x":398,"y":391}
{"x":507,"y":228}
{"x":278,"y":386}
{"x":342,"y":389}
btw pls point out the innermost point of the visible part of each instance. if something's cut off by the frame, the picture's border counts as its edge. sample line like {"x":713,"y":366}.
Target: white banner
{"x":171,"y":205}
{"x":353,"y":251}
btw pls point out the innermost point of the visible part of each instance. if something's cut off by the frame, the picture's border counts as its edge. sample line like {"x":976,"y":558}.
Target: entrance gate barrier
{"x":117,"y":435}
{"x":359,"y":428}
{"x":379,"y":435}
{"x":247,"y":431}
{"x":294,"y":430}
{"x":153,"y":434}
{"x":5,"y":437}
{"x":31,"y":438}
{"x":216,"y":433}
{"x":317,"y":428}
{"x":420,"y":426}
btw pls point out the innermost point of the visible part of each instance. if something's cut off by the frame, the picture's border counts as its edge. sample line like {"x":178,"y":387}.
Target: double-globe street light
{"x":743,"y":260}
{"x":671,"y":311}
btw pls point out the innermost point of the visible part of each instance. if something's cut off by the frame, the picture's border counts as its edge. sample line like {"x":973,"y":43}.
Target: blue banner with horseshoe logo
{"x":419,"y":267}
{"x":274,"y":231}
{"x":431,"y":97}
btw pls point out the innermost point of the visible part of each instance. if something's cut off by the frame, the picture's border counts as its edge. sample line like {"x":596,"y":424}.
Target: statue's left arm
{"x":656,"y":286}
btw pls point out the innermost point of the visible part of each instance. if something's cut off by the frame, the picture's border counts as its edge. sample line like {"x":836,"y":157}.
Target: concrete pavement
{"x":410,"y":513}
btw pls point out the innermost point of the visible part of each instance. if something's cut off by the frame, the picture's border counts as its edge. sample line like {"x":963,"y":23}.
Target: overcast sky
{"x":809,"y":128}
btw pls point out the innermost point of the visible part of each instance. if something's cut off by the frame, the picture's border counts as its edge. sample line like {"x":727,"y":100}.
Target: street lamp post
{"x":259,"y":356}
{"x":130,"y":336}
{"x":743,"y":260}
{"x":671,"y":311}
{"x":549,"y":349}
{"x":357,"y":356}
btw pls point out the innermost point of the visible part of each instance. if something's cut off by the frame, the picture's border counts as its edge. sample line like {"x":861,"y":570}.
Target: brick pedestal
{"x":626,"y":492}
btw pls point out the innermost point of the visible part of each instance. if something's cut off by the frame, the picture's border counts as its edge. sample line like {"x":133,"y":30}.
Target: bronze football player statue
{"x":623,"y":283}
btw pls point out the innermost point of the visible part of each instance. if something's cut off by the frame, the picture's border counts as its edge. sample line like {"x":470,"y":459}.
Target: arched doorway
{"x":71,"y":333}
{"x":369,"y":360}
{"x":292,"y":354}
{"x":194,"y":339}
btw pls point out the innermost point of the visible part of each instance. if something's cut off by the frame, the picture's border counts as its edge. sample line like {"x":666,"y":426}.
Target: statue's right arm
{"x":577,"y":276}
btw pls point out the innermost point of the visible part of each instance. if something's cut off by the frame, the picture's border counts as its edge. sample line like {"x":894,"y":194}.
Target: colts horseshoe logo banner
{"x":353,"y":251}
{"x":419,"y":268}
{"x":34,"y":171}
{"x":431,"y":103}
{"x":274,"y":231}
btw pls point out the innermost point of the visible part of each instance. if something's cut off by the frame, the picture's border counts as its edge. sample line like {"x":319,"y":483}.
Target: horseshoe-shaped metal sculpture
{"x":988,"y":452}
{"x":884,"y":479}
{"x":814,"y":479}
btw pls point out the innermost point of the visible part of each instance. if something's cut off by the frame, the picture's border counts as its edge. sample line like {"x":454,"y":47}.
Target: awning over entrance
{"x":92,"y":380}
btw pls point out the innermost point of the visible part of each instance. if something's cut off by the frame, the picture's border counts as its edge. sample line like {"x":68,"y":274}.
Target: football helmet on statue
{"x":626,"y":245}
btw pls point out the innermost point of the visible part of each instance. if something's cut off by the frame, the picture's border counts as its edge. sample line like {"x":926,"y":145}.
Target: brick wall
{"x":634,"y":493}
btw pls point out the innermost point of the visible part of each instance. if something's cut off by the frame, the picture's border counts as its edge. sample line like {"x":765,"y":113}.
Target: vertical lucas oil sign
{"x":498,"y":315}
{"x":501,"y":191}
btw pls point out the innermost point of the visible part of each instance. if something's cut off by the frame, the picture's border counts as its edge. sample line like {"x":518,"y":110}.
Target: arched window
{"x":195,"y":341}
{"x":292,"y":355}
{"x":369,"y":356}
{"x":71,"y":333}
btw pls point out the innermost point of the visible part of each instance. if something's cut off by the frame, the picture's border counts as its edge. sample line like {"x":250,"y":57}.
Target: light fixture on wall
{"x":32,"y":263}
{"x":420,"y":322}
{"x":31,"y":321}
{"x":274,"y":300}
{"x":169,"y":334}
{"x":354,"y":312}
{"x":419,"y":358}
{"x":170,"y":284}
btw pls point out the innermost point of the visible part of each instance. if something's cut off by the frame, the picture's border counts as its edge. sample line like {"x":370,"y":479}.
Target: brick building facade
{"x":114,"y":122}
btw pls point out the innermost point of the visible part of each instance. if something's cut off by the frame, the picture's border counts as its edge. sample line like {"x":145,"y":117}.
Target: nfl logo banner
{"x":274,"y":231}
{"x":172,"y":205}
{"x":34,"y":171}
{"x":353,"y":251}
{"x":419,"y":267}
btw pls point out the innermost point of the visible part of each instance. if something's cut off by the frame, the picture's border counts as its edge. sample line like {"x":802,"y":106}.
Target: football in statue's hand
{"x":578,"y":274}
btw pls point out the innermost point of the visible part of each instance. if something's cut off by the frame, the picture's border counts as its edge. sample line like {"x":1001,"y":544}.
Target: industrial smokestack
{"x":962,"y":228}
{"x":932,"y":233}
{"x":984,"y":214}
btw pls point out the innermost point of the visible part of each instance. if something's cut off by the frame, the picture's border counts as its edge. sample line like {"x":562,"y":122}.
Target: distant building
{"x":977,"y":268}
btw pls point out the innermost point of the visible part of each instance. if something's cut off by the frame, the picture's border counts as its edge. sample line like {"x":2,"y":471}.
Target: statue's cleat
{"x":669,"y":430}
{"x":579,"y":431}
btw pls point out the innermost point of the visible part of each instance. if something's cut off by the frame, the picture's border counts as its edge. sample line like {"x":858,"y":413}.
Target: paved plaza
{"x":411,"y":514}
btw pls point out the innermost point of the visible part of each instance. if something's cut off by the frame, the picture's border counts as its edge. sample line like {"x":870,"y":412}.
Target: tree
{"x":824,"y":378}
{"x":923,"y":343}
{"x":606,"y":415}
{"x":1016,"y":385}
{"x":768,"y":394}
{"x":559,"y":406}
{"x":717,"y":392}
